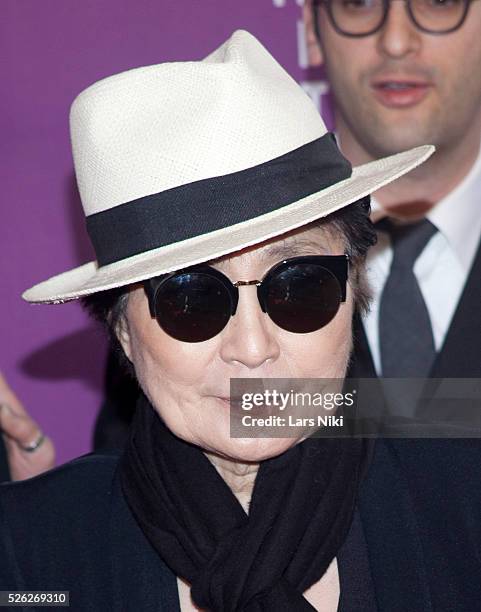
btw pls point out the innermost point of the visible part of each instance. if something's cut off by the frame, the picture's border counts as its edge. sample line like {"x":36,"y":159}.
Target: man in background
{"x":404,"y":74}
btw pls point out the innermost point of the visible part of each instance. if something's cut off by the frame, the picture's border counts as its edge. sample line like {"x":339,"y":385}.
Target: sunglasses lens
{"x":303,"y":298}
{"x":192,"y":307}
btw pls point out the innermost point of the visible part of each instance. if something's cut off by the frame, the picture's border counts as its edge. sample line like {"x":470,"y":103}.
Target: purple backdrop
{"x":49,"y":51}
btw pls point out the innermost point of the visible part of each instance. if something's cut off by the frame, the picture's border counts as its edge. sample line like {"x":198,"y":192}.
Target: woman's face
{"x":187,"y":383}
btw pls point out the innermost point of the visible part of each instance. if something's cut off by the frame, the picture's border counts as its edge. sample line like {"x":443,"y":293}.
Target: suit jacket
{"x":434,"y":482}
{"x":460,"y":354}
{"x":4,"y":471}
{"x":70,"y":529}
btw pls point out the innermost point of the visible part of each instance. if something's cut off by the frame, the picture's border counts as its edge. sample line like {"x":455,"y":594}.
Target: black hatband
{"x":210,"y":204}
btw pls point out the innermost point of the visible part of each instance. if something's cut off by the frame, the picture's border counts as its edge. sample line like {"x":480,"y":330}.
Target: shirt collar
{"x":458,"y":216}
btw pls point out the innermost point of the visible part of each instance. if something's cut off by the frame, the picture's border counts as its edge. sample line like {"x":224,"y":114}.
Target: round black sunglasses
{"x":300,"y":294}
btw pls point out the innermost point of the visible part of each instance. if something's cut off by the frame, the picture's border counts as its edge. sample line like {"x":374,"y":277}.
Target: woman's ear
{"x":314,"y":51}
{"x":123,"y":335}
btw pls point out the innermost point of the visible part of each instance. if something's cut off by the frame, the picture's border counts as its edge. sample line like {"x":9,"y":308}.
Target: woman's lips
{"x":400,"y":93}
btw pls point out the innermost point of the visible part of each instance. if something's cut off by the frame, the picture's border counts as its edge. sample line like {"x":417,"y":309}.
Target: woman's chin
{"x":245,"y":450}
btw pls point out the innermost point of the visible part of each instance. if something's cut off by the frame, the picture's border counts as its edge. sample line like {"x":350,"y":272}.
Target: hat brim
{"x":89,"y":278}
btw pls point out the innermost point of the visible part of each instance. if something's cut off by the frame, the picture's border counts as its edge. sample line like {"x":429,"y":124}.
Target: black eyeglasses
{"x":358,"y":18}
{"x":300,"y":295}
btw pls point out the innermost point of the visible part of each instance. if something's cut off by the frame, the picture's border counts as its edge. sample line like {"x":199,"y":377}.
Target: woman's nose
{"x":399,"y":37}
{"x":249,"y":339}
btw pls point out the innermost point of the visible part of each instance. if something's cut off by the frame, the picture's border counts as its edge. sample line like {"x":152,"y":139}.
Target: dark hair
{"x":351,"y":224}
{"x":354,"y":227}
{"x":108,"y":308}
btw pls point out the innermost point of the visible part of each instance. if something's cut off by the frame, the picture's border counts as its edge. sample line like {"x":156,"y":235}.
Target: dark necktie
{"x":405,"y":334}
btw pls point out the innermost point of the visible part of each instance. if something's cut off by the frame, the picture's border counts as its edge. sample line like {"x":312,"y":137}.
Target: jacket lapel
{"x":390,"y":527}
{"x":460,"y":356}
{"x":140,"y":579}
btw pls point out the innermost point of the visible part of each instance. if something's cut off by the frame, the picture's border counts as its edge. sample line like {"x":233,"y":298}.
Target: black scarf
{"x":299,"y":516}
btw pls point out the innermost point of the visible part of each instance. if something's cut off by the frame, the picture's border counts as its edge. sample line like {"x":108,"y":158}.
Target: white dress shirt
{"x":442,"y":268}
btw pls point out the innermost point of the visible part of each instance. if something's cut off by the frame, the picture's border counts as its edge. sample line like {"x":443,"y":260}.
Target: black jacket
{"x":70,"y":529}
{"x":434,"y":541}
{"x":460,"y":354}
{"x":4,"y":471}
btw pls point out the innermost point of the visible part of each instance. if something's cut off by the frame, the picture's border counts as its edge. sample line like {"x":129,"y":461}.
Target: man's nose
{"x":249,"y":339}
{"x":399,"y":37}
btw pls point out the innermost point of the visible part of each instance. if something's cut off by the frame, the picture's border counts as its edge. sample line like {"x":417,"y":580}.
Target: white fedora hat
{"x":184,"y":162}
